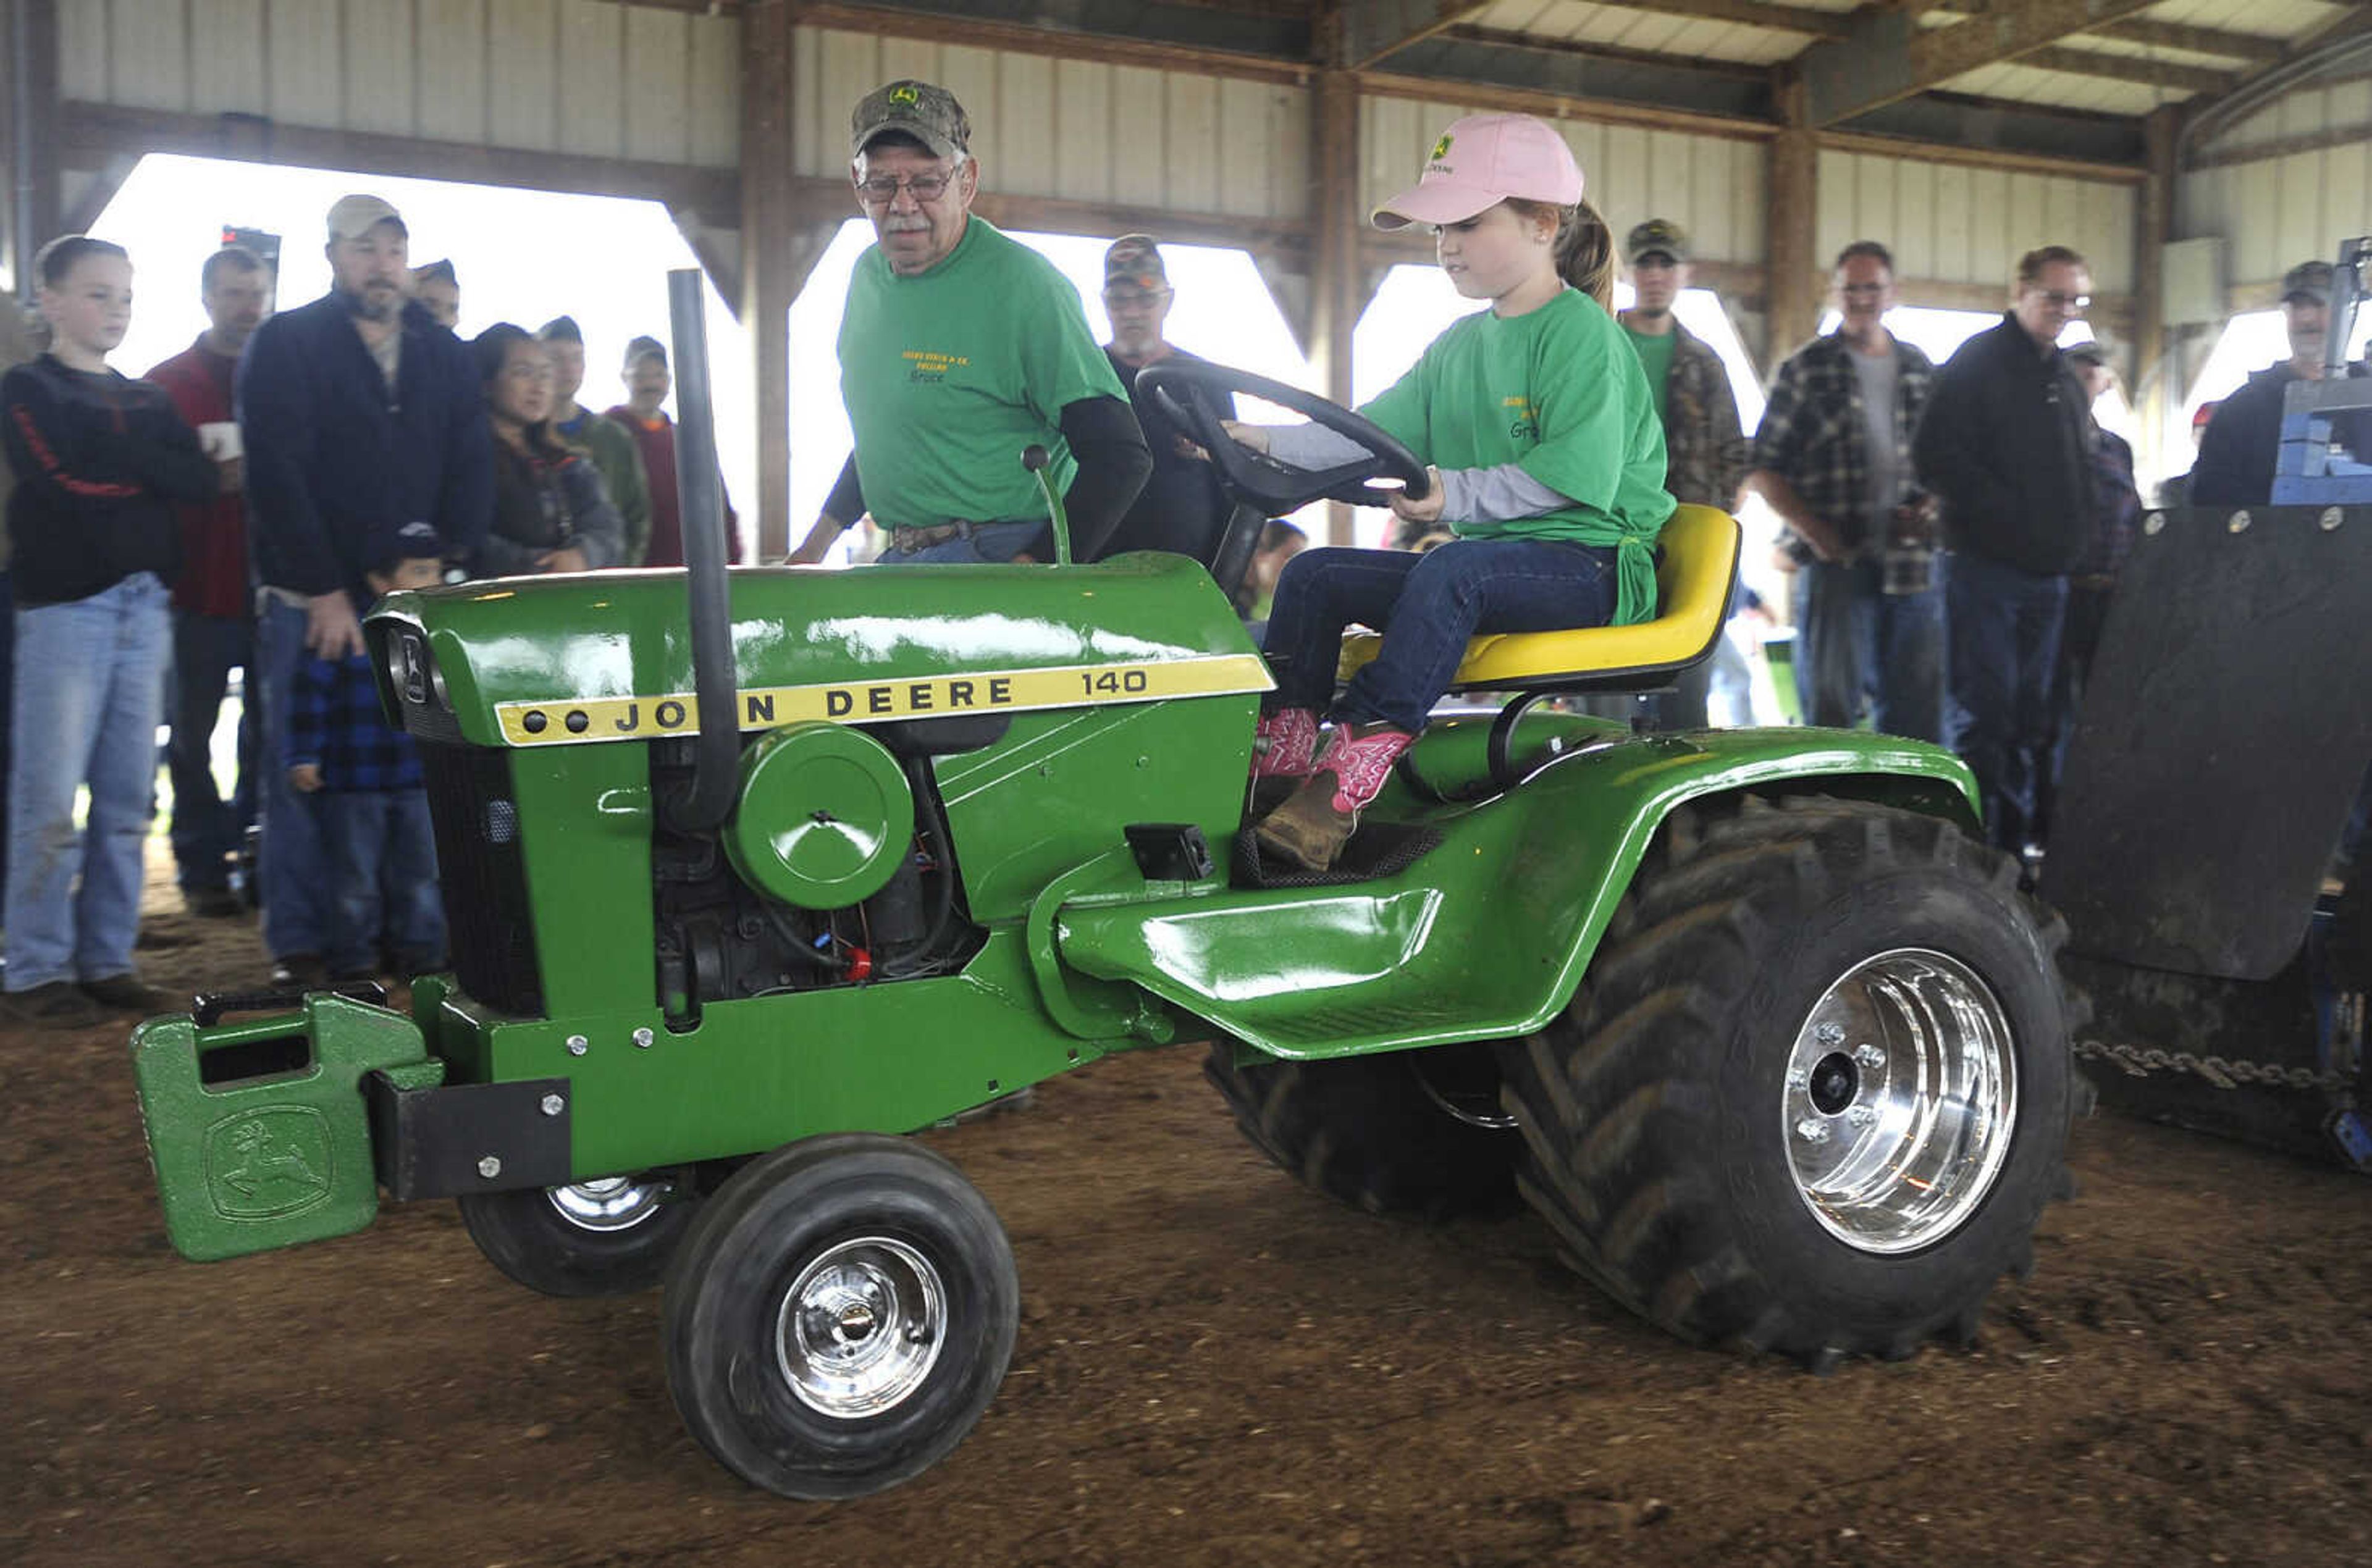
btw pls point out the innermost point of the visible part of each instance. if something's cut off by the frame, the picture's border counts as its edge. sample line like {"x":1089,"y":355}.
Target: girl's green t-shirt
{"x":1559,"y":391}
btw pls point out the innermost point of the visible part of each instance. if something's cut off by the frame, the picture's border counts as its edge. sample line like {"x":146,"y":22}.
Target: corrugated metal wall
{"x":2278,"y":210}
{"x":548,"y":76}
{"x":1951,"y":222}
{"x":1075,"y":130}
{"x":1712,"y":186}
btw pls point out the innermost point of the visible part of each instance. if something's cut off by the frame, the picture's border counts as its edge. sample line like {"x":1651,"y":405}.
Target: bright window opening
{"x":521,"y":256}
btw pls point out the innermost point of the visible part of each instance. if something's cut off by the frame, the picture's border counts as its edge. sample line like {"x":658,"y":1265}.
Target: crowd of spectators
{"x":1952,"y":533}
{"x":239,"y":508}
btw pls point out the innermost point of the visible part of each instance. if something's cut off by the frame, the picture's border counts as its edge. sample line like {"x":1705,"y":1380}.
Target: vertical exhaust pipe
{"x":705,"y":803}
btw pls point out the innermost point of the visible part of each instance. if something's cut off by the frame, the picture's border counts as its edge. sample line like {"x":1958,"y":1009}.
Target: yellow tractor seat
{"x":1692,"y":585}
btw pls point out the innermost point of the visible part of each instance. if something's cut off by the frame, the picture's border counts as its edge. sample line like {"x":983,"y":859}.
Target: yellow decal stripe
{"x":565,"y":721}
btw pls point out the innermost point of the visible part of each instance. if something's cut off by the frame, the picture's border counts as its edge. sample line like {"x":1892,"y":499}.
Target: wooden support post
{"x":33,"y":196}
{"x":1336,"y":289}
{"x":1793,"y":279}
{"x":768,"y":238}
{"x":2154,"y":382}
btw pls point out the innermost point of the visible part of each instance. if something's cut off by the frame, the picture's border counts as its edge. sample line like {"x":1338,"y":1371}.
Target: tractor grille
{"x":483,"y":865}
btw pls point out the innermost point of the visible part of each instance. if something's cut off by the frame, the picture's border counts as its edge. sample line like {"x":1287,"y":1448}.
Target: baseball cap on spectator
{"x":640,"y":349}
{"x":354,"y":216}
{"x":559,"y":330}
{"x":929,"y":114}
{"x":2091,"y":352}
{"x":2307,"y":279}
{"x":416,"y":541}
{"x":434,"y":272}
{"x":1657,"y":236}
{"x":1481,"y":161}
{"x":1133,"y":266}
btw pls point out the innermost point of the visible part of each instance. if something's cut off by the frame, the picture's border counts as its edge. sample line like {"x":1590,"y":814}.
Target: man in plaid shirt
{"x":1833,"y":457}
{"x":362,"y":779}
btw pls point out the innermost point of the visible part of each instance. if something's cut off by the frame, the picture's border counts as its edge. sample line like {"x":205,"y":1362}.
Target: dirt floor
{"x":1214,"y":1366}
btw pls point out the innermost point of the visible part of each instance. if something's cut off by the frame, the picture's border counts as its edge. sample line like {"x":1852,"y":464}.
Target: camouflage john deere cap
{"x":1657,"y":236}
{"x":929,"y":114}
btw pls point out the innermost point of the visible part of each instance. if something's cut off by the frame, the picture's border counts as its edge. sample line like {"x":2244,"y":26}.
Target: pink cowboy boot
{"x":1310,"y":827}
{"x":1286,"y":744}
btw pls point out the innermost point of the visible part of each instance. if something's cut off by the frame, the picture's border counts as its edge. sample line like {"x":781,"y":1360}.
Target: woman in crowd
{"x":551,"y":512}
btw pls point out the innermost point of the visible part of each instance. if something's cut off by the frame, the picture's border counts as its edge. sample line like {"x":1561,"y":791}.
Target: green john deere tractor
{"x":737,"y":898}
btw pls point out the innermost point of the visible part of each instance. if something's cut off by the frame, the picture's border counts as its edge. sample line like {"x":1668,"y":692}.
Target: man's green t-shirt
{"x":1656,"y":359}
{"x":1558,"y":392}
{"x":948,"y":375}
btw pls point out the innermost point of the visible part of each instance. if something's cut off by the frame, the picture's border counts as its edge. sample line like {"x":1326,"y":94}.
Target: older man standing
{"x":360,"y":414}
{"x":214,"y":616}
{"x":2236,"y":454}
{"x":1834,"y":459}
{"x":1182,"y":509}
{"x":960,"y":347}
{"x":603,"y":441}
{"x":2007,"y":444}
{"x":1706,"y":447}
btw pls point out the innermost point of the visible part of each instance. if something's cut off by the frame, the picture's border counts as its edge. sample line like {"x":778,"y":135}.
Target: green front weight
{"x":276,"y":1150}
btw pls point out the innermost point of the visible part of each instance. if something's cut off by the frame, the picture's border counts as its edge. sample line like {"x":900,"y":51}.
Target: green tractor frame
{"x":1770,"y":1039}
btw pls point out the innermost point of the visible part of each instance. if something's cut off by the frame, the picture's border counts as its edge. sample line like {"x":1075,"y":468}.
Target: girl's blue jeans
{"x":1427,"y":607}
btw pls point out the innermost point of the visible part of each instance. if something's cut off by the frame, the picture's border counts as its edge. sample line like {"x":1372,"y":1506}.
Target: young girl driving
{"x":1547,"y":460}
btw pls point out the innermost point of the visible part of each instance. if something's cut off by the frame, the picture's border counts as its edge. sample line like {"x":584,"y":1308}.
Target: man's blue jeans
{"x":207,"y":828}
{"x":383,"y":855}
{"x":1426,"y":606}
{"x":296,"y":909}
{"x":1855,"y":643}
{"x":2004,"y":646}
{"x":990,"y":543}
{"x":89,"y":691}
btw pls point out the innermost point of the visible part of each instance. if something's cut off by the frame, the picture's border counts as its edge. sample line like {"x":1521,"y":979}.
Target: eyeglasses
{"x":2058,"y":301}
{"x":882,"y":189}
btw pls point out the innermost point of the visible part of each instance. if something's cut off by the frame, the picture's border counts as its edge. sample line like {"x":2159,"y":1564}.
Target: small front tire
{"x":839,"y":1316}
{"x":610,"y":1237}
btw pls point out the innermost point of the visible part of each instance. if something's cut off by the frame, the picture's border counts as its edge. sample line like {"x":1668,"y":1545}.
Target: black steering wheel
{"x":1194,"y":395}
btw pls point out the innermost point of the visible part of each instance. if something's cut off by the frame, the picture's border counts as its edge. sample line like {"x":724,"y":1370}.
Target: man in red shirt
{"x":213,"y":612}
{"x":647,"y":384}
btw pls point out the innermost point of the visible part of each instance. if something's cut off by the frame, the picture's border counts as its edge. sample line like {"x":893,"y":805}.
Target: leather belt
{"x":905,"y":541}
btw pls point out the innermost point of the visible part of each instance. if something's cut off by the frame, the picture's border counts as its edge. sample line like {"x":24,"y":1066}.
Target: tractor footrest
{"x":1377,"y":849}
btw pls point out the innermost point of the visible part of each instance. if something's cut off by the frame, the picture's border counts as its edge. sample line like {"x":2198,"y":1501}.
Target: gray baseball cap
{"x":929,"y":114}
{"x":2312,"y":279}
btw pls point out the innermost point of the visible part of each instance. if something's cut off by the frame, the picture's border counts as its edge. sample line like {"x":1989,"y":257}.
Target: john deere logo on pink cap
{"x":1441,"y":149}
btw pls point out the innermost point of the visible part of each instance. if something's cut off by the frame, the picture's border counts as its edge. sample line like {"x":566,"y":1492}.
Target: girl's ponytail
{"x":1584,"y":252}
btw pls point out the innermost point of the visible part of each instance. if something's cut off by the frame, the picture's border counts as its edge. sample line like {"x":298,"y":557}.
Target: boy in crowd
{"x":363,"y":782}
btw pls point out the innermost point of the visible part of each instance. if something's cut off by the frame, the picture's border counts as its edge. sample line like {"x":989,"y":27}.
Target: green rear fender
{"x":1487,"y":934}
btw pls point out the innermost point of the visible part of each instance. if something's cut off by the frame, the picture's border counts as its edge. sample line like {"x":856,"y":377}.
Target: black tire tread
{"x":1361,"y":1131}
{"x":1611,"y":1121}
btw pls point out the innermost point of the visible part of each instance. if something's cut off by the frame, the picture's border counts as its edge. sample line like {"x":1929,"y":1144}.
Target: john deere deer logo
{"x":1440,"y":149}
{"x":904,"y":94}
{"x":270,"y":1162}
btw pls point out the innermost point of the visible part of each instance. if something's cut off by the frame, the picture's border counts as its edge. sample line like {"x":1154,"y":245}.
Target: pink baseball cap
{"x":1481,"y":160}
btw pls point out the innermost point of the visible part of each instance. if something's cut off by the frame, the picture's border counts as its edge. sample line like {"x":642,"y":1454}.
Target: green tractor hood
{"x":582,"y":659}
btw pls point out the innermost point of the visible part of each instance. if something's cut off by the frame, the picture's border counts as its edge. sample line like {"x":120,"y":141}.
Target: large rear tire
{"x":839,"y":1316}
{"x":1415,"y":1132}
{"x":1815,"y":1089}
